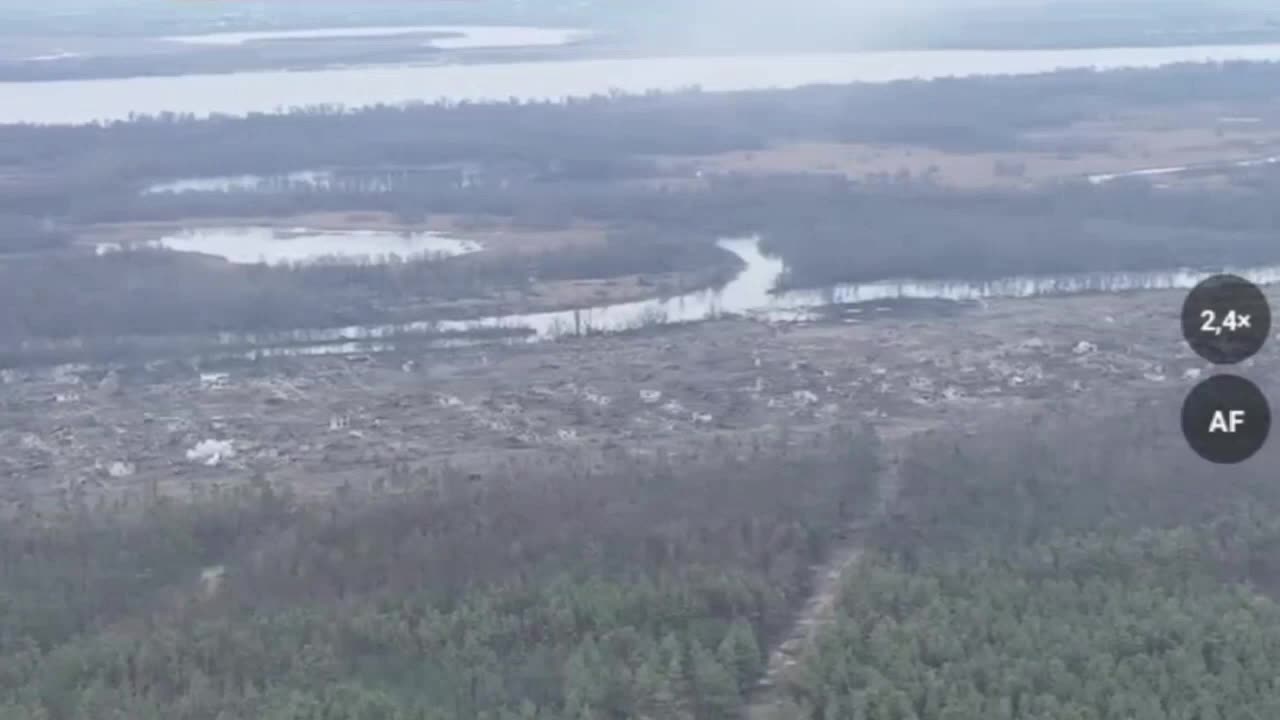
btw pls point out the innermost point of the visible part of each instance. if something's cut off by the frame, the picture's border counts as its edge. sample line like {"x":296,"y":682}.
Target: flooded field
{"x":274,"y":246}
{"x":255,"y":183}
{"x":370,"y":180}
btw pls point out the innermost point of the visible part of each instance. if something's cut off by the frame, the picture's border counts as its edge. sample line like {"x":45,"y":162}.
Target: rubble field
{"x":320,"y":422}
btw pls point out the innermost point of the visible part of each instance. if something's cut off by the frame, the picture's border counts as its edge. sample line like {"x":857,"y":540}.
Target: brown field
{"x":553,"y":295}
{"x":1130,"y":143}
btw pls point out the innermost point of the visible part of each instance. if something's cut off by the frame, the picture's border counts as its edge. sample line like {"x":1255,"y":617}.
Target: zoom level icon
{"x":1226,"y":319}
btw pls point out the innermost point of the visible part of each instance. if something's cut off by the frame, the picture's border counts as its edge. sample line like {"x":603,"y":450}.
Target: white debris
{"x":120,"y":469}
{"x":701,"y":418}
{"x":567,"y":434}
{"x":1033,"y":372}
{"x":1192,"y":374}
{"x":497,"y":425}
{"x":1153,"y":377}
{"x":64,"y":398}
{"x":805,"y":397}
{"x":449,"y":401}
{"x":339,"y":422}
{"x":952,"y":392}
{"x":211,"y":452}
{"x":596,"y":398}
{"x":1001,"y":368}
{"x":920,"y":383}
{"x":110,"y":384}
{"x":649,"y":397}
{"x":673,"y":407}
{"x":1034,"y":343}
{"x":211,"y":579}
{"x":214,"y":381}
{"x":67,"y":374}
{"x":1084,"y":347}
{"x":34,"y":442}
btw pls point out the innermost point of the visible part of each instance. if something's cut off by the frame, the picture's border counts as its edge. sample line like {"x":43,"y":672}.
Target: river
{"x":1181,"y":169}
{"x":751,"y":294}
{"x":83,"y":101}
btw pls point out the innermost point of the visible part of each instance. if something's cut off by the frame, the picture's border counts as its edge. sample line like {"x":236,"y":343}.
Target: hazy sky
{"x":721,"y":23}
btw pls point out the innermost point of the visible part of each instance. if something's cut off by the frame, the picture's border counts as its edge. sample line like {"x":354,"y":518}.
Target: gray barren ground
{"x":318,"y":423}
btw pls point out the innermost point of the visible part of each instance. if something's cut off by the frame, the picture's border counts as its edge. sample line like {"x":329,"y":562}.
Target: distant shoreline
{"x":350,"y":88}
{"x":54,"y":58}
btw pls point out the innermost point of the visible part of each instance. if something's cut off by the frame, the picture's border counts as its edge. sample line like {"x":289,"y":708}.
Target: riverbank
{"x":748,"y":284}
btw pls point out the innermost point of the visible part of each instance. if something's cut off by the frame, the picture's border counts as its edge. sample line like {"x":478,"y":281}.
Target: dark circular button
{"x":1226,"y":319}
{"x":1226,"y":419}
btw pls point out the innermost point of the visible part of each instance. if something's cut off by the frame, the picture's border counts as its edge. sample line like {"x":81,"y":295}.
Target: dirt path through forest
{"x":819,"y":610}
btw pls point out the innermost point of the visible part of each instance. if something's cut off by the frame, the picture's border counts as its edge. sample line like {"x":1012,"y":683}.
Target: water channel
{"x":752,"y":294}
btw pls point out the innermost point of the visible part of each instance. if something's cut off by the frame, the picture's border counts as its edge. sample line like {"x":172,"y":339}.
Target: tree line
{"x":1022,"y":579}
{"x":546,"y":165}
{"x":545,"y":589}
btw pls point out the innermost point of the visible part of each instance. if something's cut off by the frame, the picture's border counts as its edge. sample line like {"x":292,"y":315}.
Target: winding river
{"x":751,"y":294}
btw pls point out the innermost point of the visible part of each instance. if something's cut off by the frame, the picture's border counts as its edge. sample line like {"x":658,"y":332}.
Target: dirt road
{"x":819,"y":610}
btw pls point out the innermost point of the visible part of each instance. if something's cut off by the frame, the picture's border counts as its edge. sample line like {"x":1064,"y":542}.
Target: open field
{"x":315,"y":423}
{"x":1133,"y":141}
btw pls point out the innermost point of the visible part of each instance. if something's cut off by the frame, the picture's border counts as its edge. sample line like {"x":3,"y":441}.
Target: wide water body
{"x":452,"y":37}
{"x":82,"y":101}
